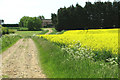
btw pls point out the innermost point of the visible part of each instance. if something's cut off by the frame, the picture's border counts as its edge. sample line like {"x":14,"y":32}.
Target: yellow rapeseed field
{"x":95,"y":39}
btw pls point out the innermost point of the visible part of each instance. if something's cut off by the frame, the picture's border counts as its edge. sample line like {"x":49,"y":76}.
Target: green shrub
{"x":11,"y":31}
{"x":5,"y":30}
{"x":32,"y":23}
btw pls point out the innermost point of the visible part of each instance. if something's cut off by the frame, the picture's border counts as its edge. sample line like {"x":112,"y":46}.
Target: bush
{"x":5,"y":30}
{"x":32,"y":23}
{"x":11,"y":31}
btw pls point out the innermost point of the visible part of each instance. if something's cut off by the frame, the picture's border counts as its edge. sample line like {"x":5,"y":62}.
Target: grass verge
{"x":27,"y":33}
{"x":30,"y":33}
{"x":56,"y":32}
{"x":5,"y":76}
{"x":44,"y":31}
{"x":13,"y":28}
{"x":7,"y":41}
{"x":56,"y":63}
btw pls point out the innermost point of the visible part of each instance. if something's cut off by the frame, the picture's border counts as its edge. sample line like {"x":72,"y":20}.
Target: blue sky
{"x":12,"y":10}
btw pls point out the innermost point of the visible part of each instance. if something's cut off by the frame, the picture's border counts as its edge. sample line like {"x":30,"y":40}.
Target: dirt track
{"x":21,"y":61}
{"x":50,"y":30}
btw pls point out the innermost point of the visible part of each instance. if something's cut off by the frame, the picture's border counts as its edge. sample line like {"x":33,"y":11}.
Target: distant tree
{"x":2,"y":21}
{"x":81,"y":17}
{"x":54,"y":19}
{"x":118,"y":14}
{"x":62,"y":19}
{"x":96,"y":15}
{"x":10,"y":25}
{"x":23,"y":21}
{"x":115,"y":13}
{"x":41,"y":17}
{"x":34,"y":23}
{"x":90,"y":14}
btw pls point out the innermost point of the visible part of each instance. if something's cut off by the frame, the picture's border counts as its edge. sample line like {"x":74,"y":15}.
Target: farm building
{"x":46,"y":22}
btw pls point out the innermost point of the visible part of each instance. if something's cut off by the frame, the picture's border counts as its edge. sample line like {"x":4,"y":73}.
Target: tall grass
{"x":7,"y":41}
{"x":5,"y":30}
{"x":56,"y":63}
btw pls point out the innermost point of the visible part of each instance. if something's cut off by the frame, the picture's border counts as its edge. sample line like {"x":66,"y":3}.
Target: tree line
{"x":91,"y":16}
{"x":32,"y":23}
{"x":10,"y":25}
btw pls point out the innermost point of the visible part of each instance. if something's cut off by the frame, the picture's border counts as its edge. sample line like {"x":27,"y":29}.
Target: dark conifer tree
{"x":97,"y":15}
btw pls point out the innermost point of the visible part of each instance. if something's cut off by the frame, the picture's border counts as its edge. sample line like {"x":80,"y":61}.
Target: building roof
{"x":47,"y":20}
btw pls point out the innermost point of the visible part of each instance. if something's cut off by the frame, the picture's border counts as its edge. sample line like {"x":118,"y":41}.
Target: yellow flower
{"x":96,"y":39}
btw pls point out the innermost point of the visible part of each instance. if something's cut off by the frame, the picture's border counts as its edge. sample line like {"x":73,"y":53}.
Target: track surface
{"x":21,"y":61}
{"x":50,"y":30}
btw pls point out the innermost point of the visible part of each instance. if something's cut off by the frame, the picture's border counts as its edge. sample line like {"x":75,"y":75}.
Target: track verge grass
{"x":55,"y":63}
{"x":7,"y":41}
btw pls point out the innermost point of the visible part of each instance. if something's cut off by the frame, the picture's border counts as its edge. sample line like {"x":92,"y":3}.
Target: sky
{"x":11,"y":11}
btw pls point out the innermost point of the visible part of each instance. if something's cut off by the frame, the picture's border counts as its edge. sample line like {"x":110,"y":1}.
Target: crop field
{"x":98,"y":40}
{"x":92,"y":50}
{"x":98,"y":44}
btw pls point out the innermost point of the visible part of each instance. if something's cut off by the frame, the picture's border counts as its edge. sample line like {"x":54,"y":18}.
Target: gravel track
{"x":21,"y":61}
